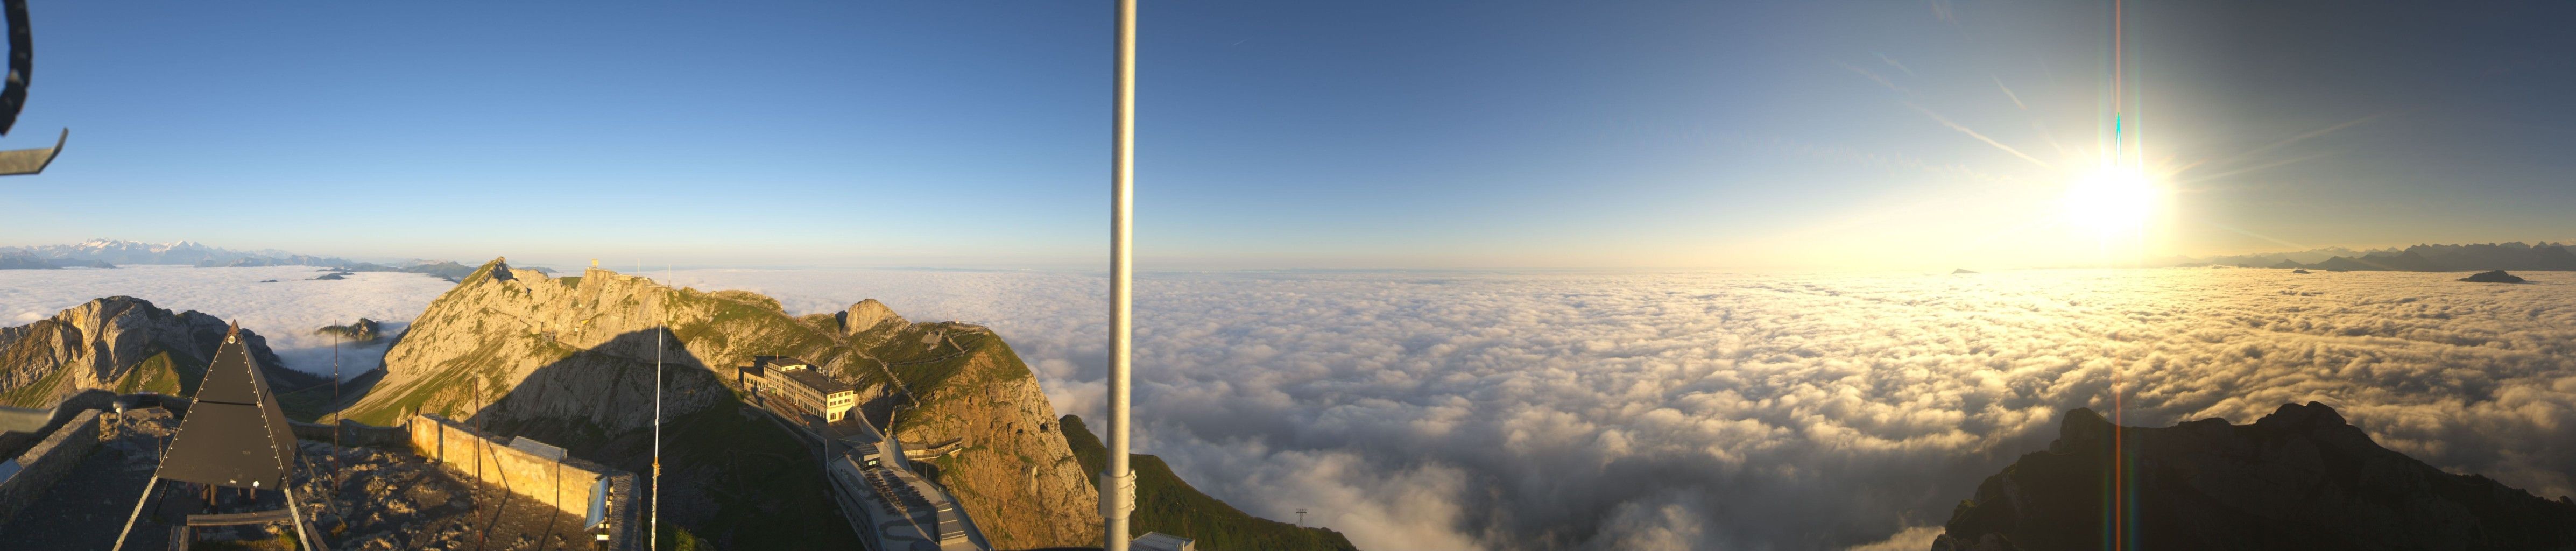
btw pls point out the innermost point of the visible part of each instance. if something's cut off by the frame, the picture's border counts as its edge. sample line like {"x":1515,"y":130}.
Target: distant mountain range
{"x":119,"y":251}
{"x":2419,"y":258}
{"x":107,"y":253}
{"x":23,"y":261}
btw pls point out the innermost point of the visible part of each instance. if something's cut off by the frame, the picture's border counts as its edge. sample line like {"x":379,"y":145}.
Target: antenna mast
{"x":1118,"y":486}
{"x":659,"y":329}
{"x":334,"y":490}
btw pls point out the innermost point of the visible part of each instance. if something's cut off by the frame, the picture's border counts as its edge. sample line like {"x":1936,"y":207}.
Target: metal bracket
{"x":1125,"y":486}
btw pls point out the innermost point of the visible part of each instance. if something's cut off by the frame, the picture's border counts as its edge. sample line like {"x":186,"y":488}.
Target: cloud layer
{"x":286,"y":312}
{"x":1691,"y":411}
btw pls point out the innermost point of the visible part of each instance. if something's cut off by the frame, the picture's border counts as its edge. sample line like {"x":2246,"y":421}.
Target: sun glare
{"x":2115,"y":202}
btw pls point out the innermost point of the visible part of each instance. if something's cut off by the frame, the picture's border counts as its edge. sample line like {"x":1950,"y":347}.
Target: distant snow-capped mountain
{"x":119,"y":251}
{"x":106,"y":253}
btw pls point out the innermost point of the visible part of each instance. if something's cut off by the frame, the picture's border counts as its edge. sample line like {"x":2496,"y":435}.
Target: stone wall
{"x":48,"y":461}
{"x":566,"y":484}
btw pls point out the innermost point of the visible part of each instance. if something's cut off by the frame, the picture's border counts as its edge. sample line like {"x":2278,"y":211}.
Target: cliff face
{"x":994,"y":409}
{"x":570,"y":360}
{"x":119,"y":344}
{"x":2300,"y":478}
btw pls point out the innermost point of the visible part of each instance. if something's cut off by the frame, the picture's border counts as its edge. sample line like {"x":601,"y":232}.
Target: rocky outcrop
{"x":363,"y":331}
{"x":866,"y":316}
{"x":996,"y":410}
{"x":571,"y":349}
{"x":573,"y":358}
{"x":2300,"y":478}
{"x":120,"y":344}
{"x":1961,"y":271}
{"x":2495,"y":276}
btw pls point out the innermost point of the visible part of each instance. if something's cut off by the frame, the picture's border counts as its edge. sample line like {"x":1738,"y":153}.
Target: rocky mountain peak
{"x":2302,"y":418}
{"x":867,"y":315}
{"x":2299,"y":478}
{"x":120,"y":344}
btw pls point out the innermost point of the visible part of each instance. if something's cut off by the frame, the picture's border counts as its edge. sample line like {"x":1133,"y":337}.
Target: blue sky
{"x":1414,"y":134}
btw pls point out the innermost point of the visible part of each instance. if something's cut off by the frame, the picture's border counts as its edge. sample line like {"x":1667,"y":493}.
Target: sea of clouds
{"x":1470,"y":410}
{"x":286,"y":312}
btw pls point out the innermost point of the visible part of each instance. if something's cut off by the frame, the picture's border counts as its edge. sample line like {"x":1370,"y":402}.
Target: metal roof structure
{"x":234,"y":435}
{"x":1158,"y":541}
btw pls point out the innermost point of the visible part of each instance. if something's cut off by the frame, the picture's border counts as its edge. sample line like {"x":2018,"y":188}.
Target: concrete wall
{"x":565,"y":484}
{"x":48,"y":461}
{"x":353,"y":433}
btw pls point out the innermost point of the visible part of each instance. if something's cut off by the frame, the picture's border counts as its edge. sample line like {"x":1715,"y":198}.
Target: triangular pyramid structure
{"x":234,"y":434}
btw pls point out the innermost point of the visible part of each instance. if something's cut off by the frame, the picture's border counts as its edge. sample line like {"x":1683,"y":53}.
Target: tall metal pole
{"x":334,"y":490}
{"x":1118,"y":486}
{"x":659,"y":329}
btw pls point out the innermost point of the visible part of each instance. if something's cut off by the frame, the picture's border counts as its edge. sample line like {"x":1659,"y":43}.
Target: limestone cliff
{"x":570,"y":360}
{"x":2300,"y":478}
{"x":994,"y":411}
{"x":119,"y":344}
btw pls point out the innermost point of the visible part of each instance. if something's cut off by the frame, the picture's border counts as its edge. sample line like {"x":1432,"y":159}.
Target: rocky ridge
{"x":119,"y":344}
{"x":26,"y":261}
{"x":2300,"y":478}
{"x":570,"y":360}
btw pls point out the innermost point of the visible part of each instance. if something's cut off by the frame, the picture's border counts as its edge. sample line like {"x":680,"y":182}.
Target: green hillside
{"x":1167,"y":504}
{"x":159,"y":373}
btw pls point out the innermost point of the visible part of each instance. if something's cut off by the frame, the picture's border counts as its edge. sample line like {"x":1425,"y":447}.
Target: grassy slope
{"x":1167,"y":504}
{"x":159,"y":373}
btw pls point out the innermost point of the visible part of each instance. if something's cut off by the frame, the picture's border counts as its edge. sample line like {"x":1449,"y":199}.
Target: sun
{"x":2114,"y":202}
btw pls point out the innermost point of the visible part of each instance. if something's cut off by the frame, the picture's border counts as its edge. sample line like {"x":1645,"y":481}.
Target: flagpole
{"x":1118,"y":486}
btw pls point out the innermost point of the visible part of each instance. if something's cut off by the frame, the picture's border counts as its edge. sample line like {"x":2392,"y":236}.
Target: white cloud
{"x":285,"y":312}
{"x":1616,"y":411}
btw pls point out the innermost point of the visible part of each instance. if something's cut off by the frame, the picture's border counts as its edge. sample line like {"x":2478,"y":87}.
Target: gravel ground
{"x":382,"y":500}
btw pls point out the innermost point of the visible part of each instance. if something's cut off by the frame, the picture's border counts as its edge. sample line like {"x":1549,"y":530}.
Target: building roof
{"x":1158,"y":541}
{"x":775,"y":362}
{"x":817,"y":381}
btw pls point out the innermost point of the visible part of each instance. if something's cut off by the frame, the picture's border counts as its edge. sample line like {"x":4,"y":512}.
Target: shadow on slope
{"x":730,"y":476}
